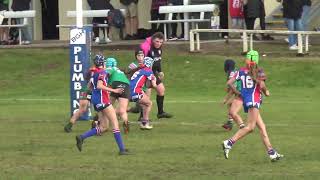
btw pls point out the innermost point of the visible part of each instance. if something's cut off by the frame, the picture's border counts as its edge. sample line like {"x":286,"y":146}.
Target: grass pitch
{"x":34,"y":106}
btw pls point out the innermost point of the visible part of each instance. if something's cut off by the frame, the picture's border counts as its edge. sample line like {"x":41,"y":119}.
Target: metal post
{"x":300,"y":44}
{"x":244,"y":42}
{"x":251,"y":41}
{"x":79,"y":14}
{"x":198,"y":38}
{"x":307,"y":43}
{"x":165,"y":31}
{"x":20,"y":38}
{"x":191,"y":41}
{"x":186,"y":24}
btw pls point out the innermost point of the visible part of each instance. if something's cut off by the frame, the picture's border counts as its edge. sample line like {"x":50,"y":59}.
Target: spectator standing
{"x":223,"y":14}
{"x":131,"y":19}
{"x":251,"y":12}
{"x":156,"y":16}
{"x":263,"y":21}
{"x":175,"y":25}
{"x":23,"y":5}
{"x":306,"y":6}
{"x":4,"y":32}
{"x":292,"y":12}
{"x":99,"y":5}
{"x":236,"y":13}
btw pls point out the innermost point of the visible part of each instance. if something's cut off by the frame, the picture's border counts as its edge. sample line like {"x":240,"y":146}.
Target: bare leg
{"x":146,"y":104}
{"x":253,"y":114}
{"x":110,"y":113}
{"x":82,"y":109}
{"x":235,"y":108}
{"x":122,"y":109}
{"x":263,"y":133}
{"x":127,"y":25}
{"x":134,"y":25}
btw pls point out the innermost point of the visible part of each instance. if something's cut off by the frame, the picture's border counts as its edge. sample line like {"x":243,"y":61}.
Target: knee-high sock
{"x":90,"y":133}
{"x":118,"y":138}
{"x":160,"y":104}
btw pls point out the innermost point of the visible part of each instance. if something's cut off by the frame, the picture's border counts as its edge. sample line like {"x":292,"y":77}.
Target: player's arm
{"x":232,"y":87}
{"x":264,"y":88}
{"x":228,"y":97}
{"x":261,"y":78}
{"x":105,"y":88}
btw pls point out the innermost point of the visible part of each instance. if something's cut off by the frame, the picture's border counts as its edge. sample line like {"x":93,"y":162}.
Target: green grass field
{"x":34,"y":106}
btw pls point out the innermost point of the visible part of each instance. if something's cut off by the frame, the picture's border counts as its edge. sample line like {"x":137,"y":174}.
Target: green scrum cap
{"x":253,"y":56}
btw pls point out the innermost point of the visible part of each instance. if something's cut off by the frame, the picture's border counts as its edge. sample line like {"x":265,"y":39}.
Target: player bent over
{"x":102,"y":104}
{"x":137,"y":82}
{"x":252,"y":86}
{"x":117,"y":79}
{"x":233,"y":101}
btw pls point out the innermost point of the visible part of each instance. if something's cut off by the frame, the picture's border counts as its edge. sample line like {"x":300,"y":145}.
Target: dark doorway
{"x":50,"y":18}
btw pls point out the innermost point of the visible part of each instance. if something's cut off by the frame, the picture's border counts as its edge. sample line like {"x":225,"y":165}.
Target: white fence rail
{"x":245,"y":33}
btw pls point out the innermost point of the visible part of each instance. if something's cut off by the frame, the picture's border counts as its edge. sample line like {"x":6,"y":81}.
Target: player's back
{"x":98,"y":94}
{"x":139,"y":78}
{"x":249,"y":87}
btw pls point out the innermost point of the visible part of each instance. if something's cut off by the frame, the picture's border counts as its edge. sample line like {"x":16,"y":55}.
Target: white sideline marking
{"x":165,"y":122}
{"x":168,"y":101}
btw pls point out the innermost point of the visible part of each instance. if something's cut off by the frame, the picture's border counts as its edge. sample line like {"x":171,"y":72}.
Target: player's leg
{"x":234,"y":111}
{"x":98,"y":130}
{"x":146,"y":105}
{"x":110,"y":113}
{"x":252,"y":120}
{"x":160,"y":98}
{"x":273,"y":154}
{"x":83,"y":106}
{"x":228,"y":125}
{"x":122,"y":112}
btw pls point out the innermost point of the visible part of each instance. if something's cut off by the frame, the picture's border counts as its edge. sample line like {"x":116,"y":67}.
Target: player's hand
{"x":224,"y":101}
{"x":118,"y":90}
{"x":267,"y":93}
{"x":161,"y":75}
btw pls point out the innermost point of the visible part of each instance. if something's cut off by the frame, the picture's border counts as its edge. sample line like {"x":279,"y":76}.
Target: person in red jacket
{"x":236,"y":14}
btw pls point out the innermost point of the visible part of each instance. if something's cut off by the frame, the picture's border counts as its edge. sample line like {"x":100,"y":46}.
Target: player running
{"x":102,"y":104}
{"x":84,"y":101}
{"x":137,"y":82}
{"x":252,"y":86}
{"x":117,"y":79}
{"x":232,"y":100}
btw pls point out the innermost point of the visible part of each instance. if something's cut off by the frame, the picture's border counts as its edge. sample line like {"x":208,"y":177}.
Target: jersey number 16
{"x":247,"y":82}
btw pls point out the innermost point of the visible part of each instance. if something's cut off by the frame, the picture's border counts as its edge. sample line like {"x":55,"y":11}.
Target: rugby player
{"x":252,"y":86}
{"x":101,"y":102}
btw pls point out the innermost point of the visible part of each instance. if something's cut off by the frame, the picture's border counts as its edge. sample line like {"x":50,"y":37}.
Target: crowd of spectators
{"x":9,"y":36}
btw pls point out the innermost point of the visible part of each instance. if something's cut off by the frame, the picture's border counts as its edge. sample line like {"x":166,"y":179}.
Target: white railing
{"x":245,"y":33}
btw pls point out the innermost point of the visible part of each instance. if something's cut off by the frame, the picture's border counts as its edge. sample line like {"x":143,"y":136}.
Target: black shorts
{"x":126,"y":92}
{"x":100,"y":107}
{"x":99,"y":20}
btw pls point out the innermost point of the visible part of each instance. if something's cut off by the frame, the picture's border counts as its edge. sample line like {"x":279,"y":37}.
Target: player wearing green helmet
{"x":118,"y":79}
{"x":252,"y":86}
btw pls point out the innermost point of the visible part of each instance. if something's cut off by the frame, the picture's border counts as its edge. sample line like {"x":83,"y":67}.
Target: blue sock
{"x":117,"y":137}
{"x":231,"y":142}
{"x":271,"y":151}
{"x":89,"y":133}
